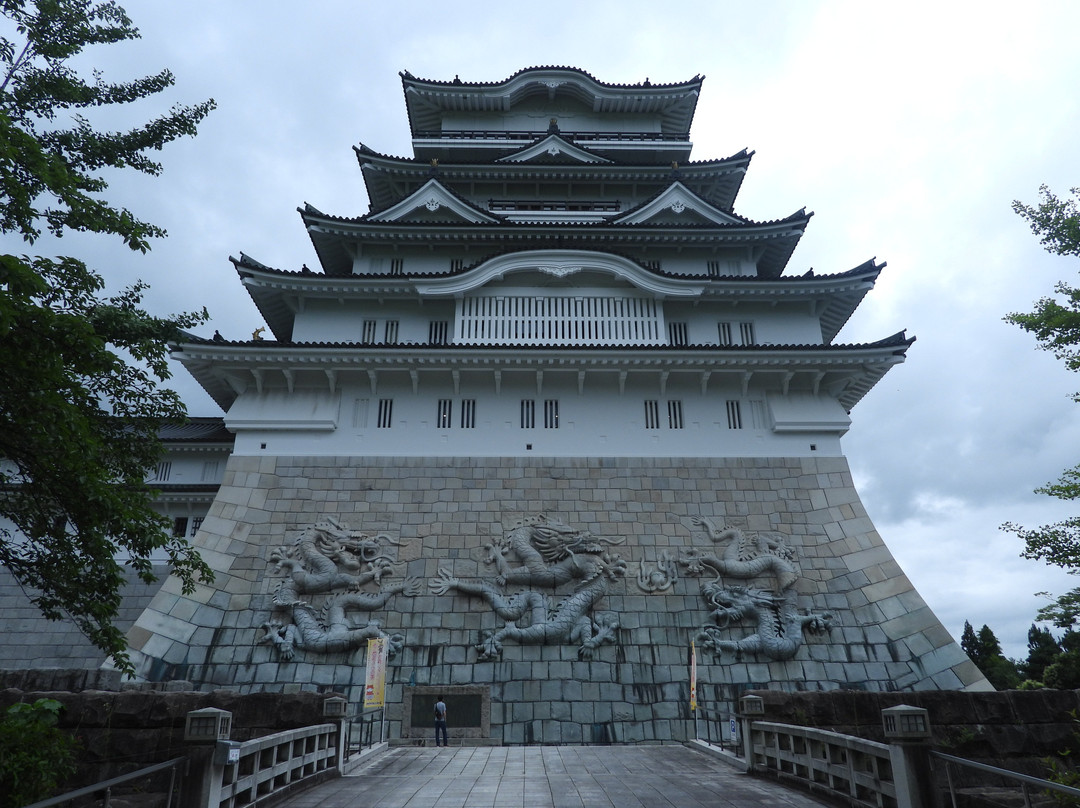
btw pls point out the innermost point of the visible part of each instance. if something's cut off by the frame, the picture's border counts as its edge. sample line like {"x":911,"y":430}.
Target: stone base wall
{"x":614,"y":666}
{"x":31,"y":641}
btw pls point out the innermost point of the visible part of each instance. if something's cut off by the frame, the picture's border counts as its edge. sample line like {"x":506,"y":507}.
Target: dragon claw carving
{"x":443,"y":582}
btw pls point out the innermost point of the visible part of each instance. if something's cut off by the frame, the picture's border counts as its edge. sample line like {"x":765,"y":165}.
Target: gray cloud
{"x":909,"y":141}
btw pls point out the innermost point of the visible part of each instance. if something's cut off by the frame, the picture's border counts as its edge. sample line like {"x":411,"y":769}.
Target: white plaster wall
{"x":600,"y":421}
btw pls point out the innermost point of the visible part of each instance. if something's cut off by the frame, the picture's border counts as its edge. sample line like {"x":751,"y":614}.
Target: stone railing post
{"x":206,"y":732}
{"x":751,"y":708}
{"x":907,"y":729}
{"x":335,"y":710}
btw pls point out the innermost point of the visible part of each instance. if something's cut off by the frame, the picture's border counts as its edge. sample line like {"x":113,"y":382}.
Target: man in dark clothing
{"x":440,"y":721}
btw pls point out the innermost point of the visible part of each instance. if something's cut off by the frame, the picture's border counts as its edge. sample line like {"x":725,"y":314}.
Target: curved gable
{"x":560,"y":264}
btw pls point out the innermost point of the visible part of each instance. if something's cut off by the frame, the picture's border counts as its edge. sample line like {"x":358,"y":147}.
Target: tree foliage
{"x":984,"y":649}
{"x":1055,"y":322}
{"x":35,"y":755}
{"x":80,"y":404}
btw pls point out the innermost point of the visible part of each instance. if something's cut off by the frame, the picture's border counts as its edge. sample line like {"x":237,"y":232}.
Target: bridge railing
{"x":855,"y":770}
{"x":163,"y":779}
{"x":365,"y":730}
{"x":713,"y":725}
{"x":260,"y":769}
{"x":905,"y":773}
{"x":1025,"y":783}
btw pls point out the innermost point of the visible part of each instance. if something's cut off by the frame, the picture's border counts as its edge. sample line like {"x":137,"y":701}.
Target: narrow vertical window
{"x":196,"y":523}
{"x":390,"y":332}
{"x":746,"y":332}
{"x":397,"y":266}
{"x":734,"y":414}
{"x":456,"y":264}
{"x":674,"y":415}
{"x":528,"y":413}
{"x":162,"y":472}
{"x":724,"y":330}
{"x":445,"y":411}
{"x":714,"y":269}
{"x":468,"y":413}
{"x":386,"y":412}
{"x":210,"y":469}
{"x":677,"y":333}
{"x":653,"y":265}
{"x":551,"y":413}
{"x":179,"y":528}
{"x":438,"y":330}
{"x":368,"y":331}
{"x":360,"y":413}
{"x":652,"y":414}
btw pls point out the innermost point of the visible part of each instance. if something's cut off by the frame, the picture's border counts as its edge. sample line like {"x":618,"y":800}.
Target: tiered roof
{"x":446,"y":197}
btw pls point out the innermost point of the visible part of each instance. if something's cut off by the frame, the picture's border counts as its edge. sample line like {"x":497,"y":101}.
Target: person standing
{"x":440,"y":721}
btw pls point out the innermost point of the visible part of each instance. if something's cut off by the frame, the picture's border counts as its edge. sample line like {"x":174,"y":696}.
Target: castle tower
{"x":548,"y":413}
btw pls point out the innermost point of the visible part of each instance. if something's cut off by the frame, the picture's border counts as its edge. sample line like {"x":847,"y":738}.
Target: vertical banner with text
{"x":693,"y":676}
{"x":375,"y":678}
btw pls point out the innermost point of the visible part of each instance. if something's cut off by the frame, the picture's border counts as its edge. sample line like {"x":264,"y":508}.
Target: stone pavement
{"x":667,"y":776}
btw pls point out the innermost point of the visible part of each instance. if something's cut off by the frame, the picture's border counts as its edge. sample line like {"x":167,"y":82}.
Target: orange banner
{"x":375,"y":675}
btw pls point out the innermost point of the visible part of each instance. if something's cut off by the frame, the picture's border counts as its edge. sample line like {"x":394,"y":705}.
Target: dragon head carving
{"x":733,"y":603}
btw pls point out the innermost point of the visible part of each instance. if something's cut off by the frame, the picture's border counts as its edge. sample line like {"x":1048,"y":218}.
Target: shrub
{"x":35,"y":756}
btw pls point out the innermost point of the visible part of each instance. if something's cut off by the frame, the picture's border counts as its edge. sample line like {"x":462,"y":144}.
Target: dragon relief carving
{"x":549,"y":553}
{"x":779,"y":622}
{"x":329,"y":558}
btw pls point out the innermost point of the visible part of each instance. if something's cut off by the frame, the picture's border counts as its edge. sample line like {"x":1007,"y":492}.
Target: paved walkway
{"x":668,"y":776}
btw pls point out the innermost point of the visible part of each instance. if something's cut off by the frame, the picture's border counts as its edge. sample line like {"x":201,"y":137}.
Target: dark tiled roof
{"x":197,"y":430}
{"x":185,"y":488}
{"x":407,"y":76}
{"x":363,"y":151}
{"x":744,"y":222}
{"x":245,"y":261}
{"x":868,"y":266}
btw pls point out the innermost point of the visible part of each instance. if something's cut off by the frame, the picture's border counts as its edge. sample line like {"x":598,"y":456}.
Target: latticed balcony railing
{"x":586,"y":320}
{"x":577,"y":205}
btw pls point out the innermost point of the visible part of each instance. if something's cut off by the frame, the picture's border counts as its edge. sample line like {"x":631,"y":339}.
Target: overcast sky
{"x":908,"y":129}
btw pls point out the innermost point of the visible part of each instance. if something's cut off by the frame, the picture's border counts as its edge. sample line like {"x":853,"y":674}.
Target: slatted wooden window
{"x":468,"y":413}
{"x":674,"y":415}
{"x":386,"y":413}
{"x":734,"y":414}
{"x":652,"y":414}
{"x":528,"y":413}
{"x":443,"y":417}
{"x":677,"y":334}
{"x":551,"y":413}
{"x":438,"y":332}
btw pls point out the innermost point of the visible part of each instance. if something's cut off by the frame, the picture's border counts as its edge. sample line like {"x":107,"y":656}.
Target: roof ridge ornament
{"x":560,"y":270}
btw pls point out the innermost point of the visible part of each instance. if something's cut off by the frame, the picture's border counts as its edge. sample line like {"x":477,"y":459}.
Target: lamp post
{"x":907,"y":729}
